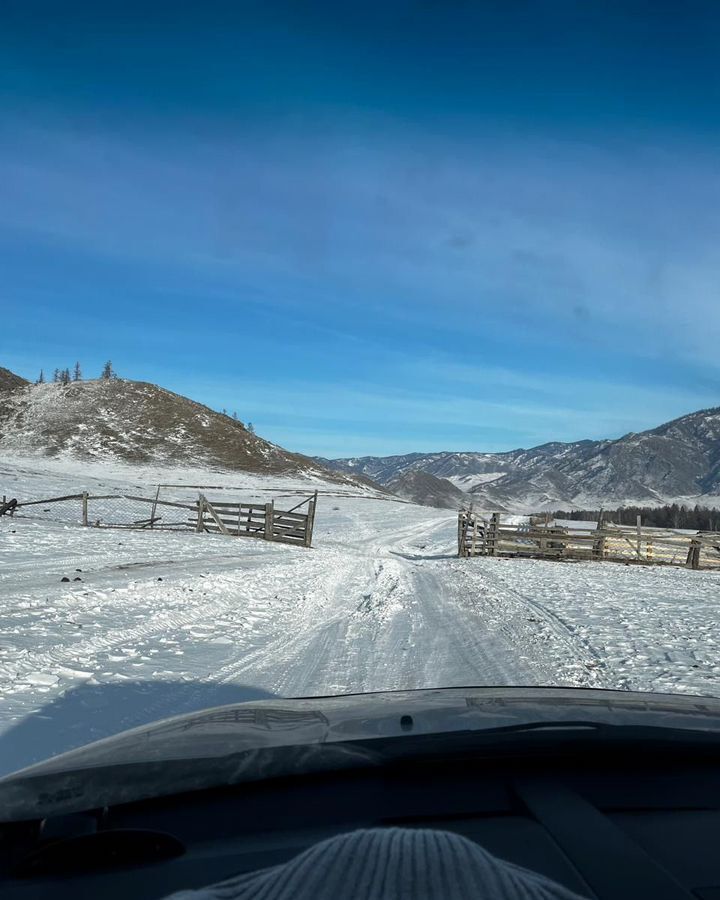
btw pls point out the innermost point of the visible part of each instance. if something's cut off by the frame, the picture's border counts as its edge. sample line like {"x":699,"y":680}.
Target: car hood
{"x":270,"y":738}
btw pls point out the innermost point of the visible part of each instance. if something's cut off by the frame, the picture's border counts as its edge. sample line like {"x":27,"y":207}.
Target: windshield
{"x":350,"y":349}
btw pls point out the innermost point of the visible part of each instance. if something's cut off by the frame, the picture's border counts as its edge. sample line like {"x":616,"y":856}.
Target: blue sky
{"x":370,"y":227}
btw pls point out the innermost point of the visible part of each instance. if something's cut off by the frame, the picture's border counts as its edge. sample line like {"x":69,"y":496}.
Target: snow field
{"x":164,"y":623}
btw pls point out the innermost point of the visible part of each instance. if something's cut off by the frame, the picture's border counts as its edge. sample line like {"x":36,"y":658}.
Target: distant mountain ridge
{"x":677,"y":461}
{"x":134,"y":422}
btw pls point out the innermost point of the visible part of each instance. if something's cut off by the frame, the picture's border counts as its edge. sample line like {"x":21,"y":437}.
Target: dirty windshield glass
{"x":350,"y":348}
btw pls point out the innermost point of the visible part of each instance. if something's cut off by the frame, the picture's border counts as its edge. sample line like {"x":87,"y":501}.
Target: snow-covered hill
{"x":9,"y":380}
{"x":133,"y":422}
{"x":678,"y":461}
{"x":422,"y":487}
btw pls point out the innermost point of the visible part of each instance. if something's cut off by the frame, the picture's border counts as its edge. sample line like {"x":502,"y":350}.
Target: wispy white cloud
{"x":528,"y":251}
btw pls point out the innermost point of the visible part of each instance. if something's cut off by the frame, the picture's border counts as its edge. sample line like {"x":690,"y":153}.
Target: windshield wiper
{"x":556,"y":732}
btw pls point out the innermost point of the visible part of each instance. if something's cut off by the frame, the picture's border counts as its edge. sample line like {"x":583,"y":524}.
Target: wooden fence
{"x":234,"y":519}
{"x":259,"y":520}
{"x":480,"y":535}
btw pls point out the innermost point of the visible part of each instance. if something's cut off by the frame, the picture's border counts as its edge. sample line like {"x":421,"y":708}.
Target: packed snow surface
{"x":169,"y":622}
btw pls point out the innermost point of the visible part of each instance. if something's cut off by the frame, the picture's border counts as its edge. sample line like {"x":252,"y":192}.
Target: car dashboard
{"x":611,"y":823}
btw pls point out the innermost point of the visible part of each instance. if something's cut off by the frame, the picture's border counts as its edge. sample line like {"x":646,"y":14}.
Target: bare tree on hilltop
{"x":108,"y":372}
{"x":41,"y":378}
{"x":65,"y":376}
{"x":77,"y":374}
{"x":250,"y":427}
{"x":56,"y":376}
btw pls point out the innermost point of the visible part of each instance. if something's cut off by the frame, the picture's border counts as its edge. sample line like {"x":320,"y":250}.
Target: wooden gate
{"x":258,"y":520}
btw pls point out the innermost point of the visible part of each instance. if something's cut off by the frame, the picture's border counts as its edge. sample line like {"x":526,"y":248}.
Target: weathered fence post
{"x":7,"y":507}
{"x":310,"y":523}
{"x":154,"y":508}
{"x":693,"y":557}
{"x":598,"y":547}
{"x":544,"y":529}
{"x":463,"y":521}
{"x":85,"y":508}
{"x":269,"y":516}
{"x":201,"y":513}
{"x":492,"y":533}
{"x":639,"y":537}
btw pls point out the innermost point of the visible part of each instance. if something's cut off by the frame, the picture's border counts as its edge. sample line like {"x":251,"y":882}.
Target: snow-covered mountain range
{"x":678,"y":461}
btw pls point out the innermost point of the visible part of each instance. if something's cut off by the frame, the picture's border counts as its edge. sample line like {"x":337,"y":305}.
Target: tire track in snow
{"x":407,"y":630}
{"x":254,"y":652}
{"x":294,"y":642}
{"x":381,"y":542}
{"x":487,"y":652}
{"x":81,"y":654}
{"x":579,"y":648}
{"x":290,"y":664}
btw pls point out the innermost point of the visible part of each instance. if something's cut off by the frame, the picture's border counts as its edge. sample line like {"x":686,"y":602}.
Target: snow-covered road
{"x":165,"y":623}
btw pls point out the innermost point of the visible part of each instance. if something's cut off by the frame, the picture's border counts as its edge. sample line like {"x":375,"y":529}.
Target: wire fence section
{"x":130,"y":511}
{"x":105,"y":510}
{"x":66,"y":510}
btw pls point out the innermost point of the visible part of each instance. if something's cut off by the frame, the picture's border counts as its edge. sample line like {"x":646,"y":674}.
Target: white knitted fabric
{"x":388,"y":864}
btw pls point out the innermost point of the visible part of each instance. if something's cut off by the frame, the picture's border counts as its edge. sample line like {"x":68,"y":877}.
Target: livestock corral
{"x":486,"y":534}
